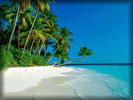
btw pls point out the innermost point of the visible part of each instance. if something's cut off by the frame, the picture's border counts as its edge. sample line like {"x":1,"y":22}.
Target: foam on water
{"x":91,"y":83}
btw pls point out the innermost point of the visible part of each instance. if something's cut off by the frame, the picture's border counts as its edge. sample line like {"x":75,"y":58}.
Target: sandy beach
{"x":60,"y":83}
{"x":36,"y":83}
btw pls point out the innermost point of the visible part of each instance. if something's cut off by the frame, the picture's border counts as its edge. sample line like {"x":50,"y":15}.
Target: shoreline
{"x":20,"y":78}
{"x":50,"y":88}
{"x":39,"y":83}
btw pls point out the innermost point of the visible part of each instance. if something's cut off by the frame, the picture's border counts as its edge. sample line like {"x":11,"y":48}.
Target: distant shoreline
{"x":103,"y":64}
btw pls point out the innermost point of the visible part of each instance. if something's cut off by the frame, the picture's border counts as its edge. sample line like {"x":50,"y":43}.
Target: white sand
{"x":20,"y":78}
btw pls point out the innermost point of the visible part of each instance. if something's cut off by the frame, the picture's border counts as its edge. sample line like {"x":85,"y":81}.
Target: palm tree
{"x":25,"y":20}
{"x":56,"y":47}
{"x":48,"y":55}
{"x":84,"y":51}
{"x":34,"y":36}
{"x":4,"y":10}
{"x":21,"y":4}
{"x":41,"y":32}
{"x":40,"y":5}
{"x":44,"y":37}
{"x":61,"y":54}
{"x":64,"y":40}
{"x":47,"y":43}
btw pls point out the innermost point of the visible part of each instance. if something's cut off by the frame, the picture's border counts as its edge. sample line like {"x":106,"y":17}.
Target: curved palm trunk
{"x":56,"y":61}
{"x":52,"y":56}
{"x":71,"y":62}
{"x":41,"y":48}
{"x":14,"y":28}
{"x":30,"y":31}
{"x":32,"y":45}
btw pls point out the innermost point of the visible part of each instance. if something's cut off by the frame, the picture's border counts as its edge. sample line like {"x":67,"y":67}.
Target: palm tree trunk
{"x":52,"y":56}
{"x":30,"y":31}
{"x":14,"y":28}
{"x":71,"y":62}
{"x":56,"y":61}
{"x":41,"y":48}
{"x":39,"y":41}
{"x":32,"y":45}
{"x":46,"y":49}
{"x":62,"y":61}
{"x":18,"y":37}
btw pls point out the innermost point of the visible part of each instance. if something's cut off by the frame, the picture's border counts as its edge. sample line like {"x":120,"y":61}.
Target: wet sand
{"x":53,"y":88}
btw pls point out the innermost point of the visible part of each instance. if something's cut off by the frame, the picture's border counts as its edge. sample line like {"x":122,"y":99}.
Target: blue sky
{"x":103,"y":27}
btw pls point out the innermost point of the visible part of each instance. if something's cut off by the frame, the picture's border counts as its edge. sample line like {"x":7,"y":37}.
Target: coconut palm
{"x":42,"y":33}
{"x":21,"y":4}
{"x":45,"y":36}
{"x":4,"y":10}
{"x":64,"y":40}
{"x":84,"y":51}
{"x":47,"y":43}
{"x":25,"y":20}
{"x":56,"y":47}
{"x":34,"y":37}
{"x":49,"y":27}
{"x":61,"y":54}
{"x":48,"y":55}
{"x":40,"y":5}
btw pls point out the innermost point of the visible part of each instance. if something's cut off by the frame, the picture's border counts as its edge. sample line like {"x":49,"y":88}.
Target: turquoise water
{"x":101,"y":81}
{"x":120,"y":72}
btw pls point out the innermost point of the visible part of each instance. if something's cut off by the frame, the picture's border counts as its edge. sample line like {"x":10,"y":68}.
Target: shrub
{"x":3,"y":58}
{"x":26,"y":60}
{"x":38,"y":60}
{"x":13,"y":58}
{"x":11,"y":61}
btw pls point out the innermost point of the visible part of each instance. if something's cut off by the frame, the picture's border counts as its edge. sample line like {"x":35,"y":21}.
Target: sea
{"x":101,"y":81}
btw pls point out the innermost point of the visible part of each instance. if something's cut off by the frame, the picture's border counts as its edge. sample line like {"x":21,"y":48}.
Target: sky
{"x":103,"y":27}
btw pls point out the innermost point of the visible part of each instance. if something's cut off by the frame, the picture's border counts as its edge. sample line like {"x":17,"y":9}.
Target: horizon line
{"x":102,"y":64}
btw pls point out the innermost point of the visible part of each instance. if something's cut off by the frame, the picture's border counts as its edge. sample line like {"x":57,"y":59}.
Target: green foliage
{"x":13,"y":58}
{"x":39,"y":60}
{"x":3,"y":58}
{"x":11,"y":61}
{"x":62,"y":54}
{"x":85,"y":51}
{"x":48,"y":55}
{"x":46,"y":32}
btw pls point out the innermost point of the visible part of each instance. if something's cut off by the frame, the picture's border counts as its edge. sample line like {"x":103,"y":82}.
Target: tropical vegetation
{"x":27,"y":29}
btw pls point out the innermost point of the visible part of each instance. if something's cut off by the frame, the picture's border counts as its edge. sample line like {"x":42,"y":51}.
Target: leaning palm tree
{"x":41,"y":32}
{"x":47,"y":43}
{"x":84,"y":51}
{"x":40,"y":5}
{"x":25,"y":20}
{"x":21,"y":4}
{"x":56,"y":47}
{"x":45,"y":36}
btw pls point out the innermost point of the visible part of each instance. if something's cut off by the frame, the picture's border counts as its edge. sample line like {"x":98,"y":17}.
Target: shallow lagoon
{"x":101,"y":81}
